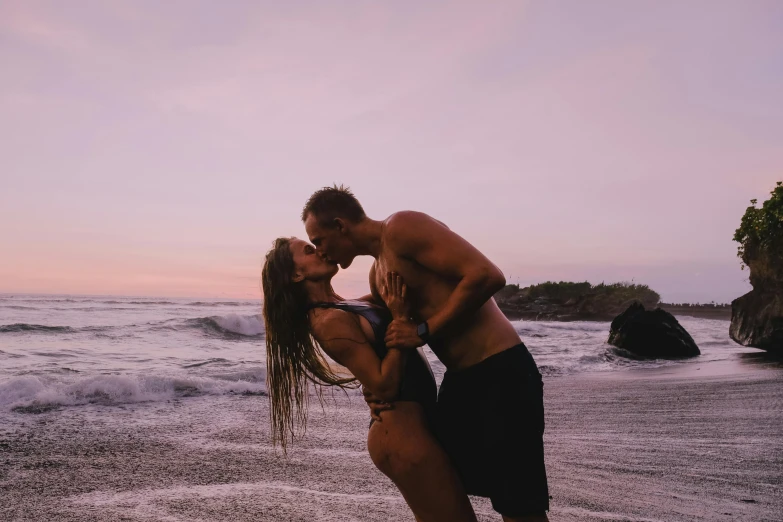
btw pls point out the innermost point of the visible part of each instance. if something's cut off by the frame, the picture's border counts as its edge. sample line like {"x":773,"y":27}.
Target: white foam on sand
{"x":156,"y":503}
{"x":586,"y":514}
{"x":103,"y":498}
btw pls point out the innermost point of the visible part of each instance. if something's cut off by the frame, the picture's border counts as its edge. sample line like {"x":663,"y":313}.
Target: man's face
{"x":332,"y":242}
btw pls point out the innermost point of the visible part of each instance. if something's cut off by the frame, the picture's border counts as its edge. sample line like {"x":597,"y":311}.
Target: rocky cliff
{"x":757,"y":317}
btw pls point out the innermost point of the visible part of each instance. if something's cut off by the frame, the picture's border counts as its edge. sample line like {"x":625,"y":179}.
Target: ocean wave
{"x":24,"y":327}
{"x":94,"y":309}
{"x":34,"y":300}
{"x":216,"y":360}
{"x":89,"y":300}
{"x":10,"y":355}
{"x":223,"y":303}
{"x":59,"y":354}
{"x":257,"y":374}
{"x":136,"y":302}
{"x":550,"y":371}
{"x":70,"y":308}
{"x":231,"y":325}
{"x":37,"y":394}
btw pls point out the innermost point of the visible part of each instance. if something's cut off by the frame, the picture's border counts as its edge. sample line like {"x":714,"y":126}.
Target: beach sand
{"x":690,"y":443}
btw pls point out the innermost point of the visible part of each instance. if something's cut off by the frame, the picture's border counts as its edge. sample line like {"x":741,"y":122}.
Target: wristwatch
{"x":423,"y":331}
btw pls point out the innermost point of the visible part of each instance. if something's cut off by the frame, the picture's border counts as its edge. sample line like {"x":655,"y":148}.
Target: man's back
{"x":431,"y":259}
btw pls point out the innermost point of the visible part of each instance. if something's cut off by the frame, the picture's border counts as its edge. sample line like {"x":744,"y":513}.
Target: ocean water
{"x":68,"y":351}
{"x":126,"y":408}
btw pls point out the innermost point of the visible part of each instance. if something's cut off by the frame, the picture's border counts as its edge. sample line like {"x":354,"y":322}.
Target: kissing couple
{"x":481,"y":433}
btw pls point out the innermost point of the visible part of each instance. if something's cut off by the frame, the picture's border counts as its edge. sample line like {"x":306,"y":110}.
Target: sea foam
{"x":30,"y":393}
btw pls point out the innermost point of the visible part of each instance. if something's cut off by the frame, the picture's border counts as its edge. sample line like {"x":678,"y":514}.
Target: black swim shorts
{"x":490,"y":421}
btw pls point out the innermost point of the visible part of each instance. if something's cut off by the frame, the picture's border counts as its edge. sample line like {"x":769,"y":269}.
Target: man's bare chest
{"x":413,"y":276}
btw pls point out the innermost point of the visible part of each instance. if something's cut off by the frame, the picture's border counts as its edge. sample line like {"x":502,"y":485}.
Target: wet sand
{"x":692,"y":443}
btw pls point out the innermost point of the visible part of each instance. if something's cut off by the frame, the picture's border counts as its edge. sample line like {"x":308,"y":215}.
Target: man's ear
{"x":339,"y":224}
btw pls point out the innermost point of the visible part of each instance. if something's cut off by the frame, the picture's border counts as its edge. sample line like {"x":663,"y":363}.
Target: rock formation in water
{"x":757,"y":320}
{"x":651,"y":333}
{"x":757,"y":317}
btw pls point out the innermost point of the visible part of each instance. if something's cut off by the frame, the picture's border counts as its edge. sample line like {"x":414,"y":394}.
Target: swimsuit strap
{"x":349,"y":306}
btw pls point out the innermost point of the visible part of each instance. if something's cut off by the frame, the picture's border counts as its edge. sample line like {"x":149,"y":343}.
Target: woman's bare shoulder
{"x":330,"y":323}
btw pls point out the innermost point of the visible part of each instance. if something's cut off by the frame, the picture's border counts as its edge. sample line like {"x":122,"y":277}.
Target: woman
{"x":300,"y":307}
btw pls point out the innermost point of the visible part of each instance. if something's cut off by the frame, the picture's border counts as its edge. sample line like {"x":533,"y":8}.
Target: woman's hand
{"x":376,"y":404}
{"x":393,"y":292}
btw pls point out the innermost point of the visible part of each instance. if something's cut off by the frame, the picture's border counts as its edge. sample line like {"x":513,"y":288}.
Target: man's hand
{"x":401,"y":334}
{"x":376,"y":405}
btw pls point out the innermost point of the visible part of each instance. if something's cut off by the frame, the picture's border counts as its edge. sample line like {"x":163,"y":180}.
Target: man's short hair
{"x":333,"y":202}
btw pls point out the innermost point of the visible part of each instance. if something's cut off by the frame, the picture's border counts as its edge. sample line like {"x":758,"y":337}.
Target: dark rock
{"x":651,"y":333}
{"x":757,"y":320}
{"x":757,"y":317}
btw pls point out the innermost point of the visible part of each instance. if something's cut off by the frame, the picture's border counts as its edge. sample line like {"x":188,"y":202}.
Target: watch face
{"x":422,"y":330}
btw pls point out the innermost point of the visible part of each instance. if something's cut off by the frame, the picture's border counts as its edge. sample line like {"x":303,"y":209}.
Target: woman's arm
{"x":341,"y":337}
{"x":394,"y":293}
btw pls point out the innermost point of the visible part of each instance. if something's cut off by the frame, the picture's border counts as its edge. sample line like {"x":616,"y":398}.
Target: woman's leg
{"x":404,"y":449}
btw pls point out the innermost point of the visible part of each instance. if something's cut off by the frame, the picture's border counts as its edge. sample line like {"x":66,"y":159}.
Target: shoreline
{"x":703,"y":312}
{"x":665,"y":444}
{"x":745,"y":363}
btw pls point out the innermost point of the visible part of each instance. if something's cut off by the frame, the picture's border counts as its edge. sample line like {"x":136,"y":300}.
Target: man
{"x":490,"y":415}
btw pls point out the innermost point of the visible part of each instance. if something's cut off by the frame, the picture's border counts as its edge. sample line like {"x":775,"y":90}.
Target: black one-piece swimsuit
{"x":418,"y":383}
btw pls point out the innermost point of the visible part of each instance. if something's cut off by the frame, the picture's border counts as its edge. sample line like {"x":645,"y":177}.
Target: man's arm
{"x":428,"y":242}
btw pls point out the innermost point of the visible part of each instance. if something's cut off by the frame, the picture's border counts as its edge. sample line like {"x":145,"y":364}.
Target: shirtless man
{"x":490,"y":413}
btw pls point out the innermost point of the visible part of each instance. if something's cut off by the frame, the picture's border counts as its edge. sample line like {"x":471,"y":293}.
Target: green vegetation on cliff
{"x":760,"y":238}
{"x":565,"y":291}
{"x":571,"y":301}
{"x":619,"y":292}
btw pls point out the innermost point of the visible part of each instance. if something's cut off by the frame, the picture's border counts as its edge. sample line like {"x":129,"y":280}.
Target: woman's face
{"x":310,"y":264}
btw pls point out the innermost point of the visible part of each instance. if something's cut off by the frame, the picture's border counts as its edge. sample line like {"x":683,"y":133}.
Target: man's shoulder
{"x":407,"y":222}
{"x":405,"y":217}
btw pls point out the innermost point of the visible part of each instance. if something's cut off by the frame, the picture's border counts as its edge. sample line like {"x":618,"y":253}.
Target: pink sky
{"x":157,"y":148}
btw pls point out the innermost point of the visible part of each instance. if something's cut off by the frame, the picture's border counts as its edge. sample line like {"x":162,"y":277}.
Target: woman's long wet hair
{"x":292,"y":358}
